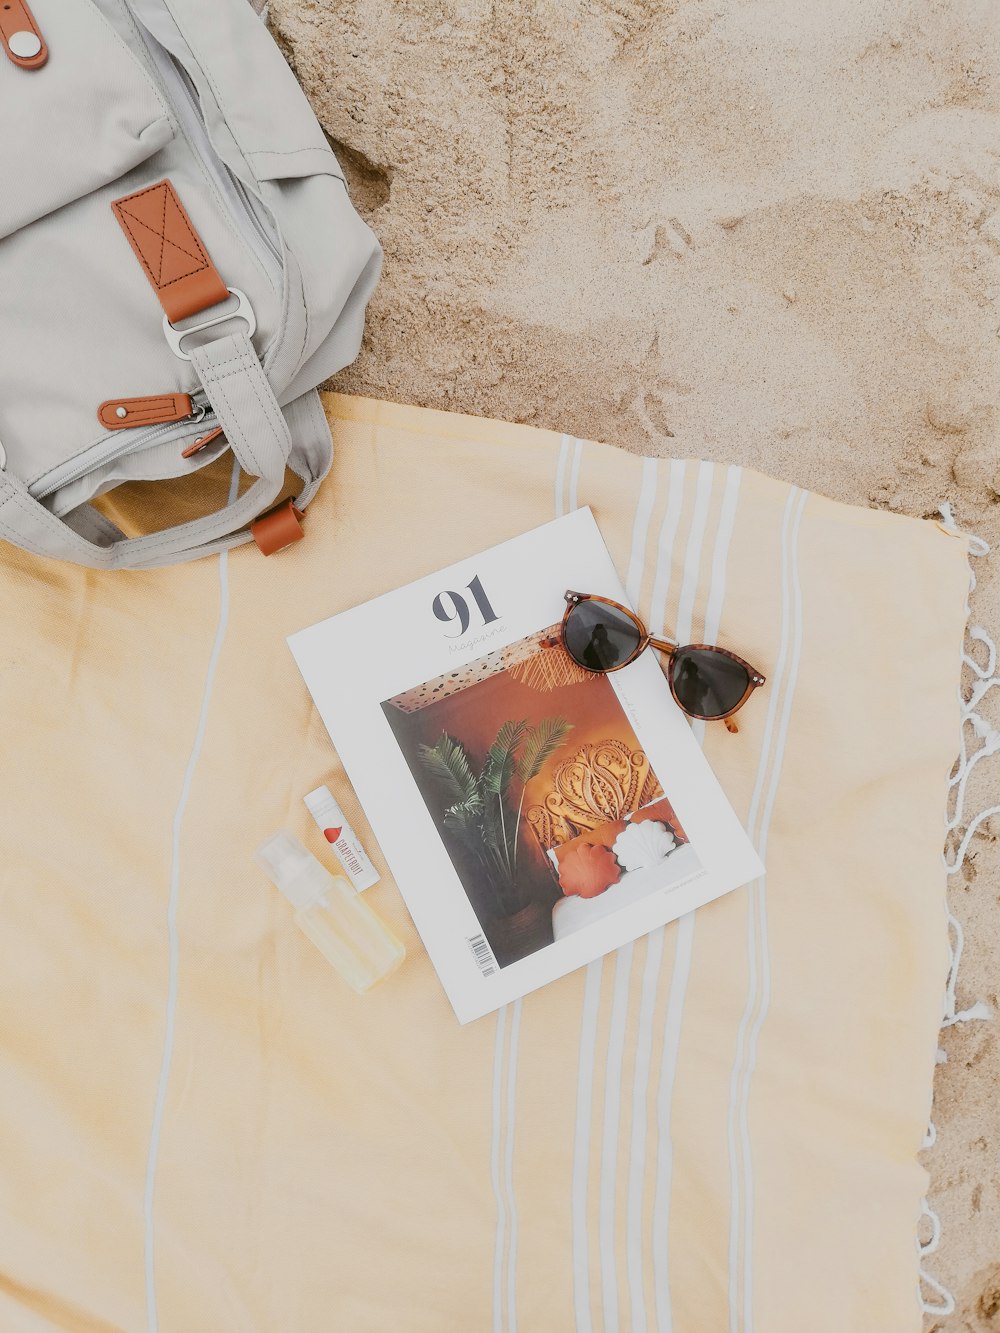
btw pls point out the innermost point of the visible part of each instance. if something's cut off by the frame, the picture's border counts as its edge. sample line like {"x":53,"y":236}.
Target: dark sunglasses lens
{"x":600,"y":637}
{"x":706,"y":683}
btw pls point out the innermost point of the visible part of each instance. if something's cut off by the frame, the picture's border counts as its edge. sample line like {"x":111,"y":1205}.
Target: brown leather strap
{"x":202,"y":442}
{"x":22,"y":38}
{"x":278,"y":528}
{"x":124,"y":413}
{"x":169,"y":250}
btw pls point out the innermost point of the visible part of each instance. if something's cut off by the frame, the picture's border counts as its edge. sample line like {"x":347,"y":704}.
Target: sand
{"x":767,"y":234}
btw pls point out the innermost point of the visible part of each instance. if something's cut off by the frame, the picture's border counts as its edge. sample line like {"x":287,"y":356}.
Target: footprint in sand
{"x":987,"y":1307}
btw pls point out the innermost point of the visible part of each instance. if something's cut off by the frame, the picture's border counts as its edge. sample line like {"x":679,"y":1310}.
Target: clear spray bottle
{"x":329,"y":911}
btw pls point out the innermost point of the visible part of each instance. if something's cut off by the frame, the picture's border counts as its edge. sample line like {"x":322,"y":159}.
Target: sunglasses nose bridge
{"x":667,"y":646}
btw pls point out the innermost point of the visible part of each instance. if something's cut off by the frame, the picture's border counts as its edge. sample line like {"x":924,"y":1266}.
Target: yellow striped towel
{"x":713,"y":1130}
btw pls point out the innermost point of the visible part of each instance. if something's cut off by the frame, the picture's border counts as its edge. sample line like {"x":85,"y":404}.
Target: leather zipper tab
{"x":161,"y":409}
{"x":22,"y":40}
{"x":201,"y":442}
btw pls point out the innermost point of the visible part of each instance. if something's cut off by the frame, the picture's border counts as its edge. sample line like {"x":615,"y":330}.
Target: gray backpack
{"x":180,"y":266}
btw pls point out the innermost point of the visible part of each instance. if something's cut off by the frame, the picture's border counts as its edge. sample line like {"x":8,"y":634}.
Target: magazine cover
{"x":534,"y":815}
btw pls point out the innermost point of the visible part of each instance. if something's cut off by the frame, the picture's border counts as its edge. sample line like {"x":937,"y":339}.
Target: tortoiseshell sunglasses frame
{"x":755,"y":678}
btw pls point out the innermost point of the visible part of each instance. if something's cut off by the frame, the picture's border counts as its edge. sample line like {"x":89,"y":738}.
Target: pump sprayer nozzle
{"x":292,"y":868}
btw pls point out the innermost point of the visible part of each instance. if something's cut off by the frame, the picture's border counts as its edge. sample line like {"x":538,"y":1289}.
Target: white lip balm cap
{"x":347,"y":848}
{"x":292,"y":868}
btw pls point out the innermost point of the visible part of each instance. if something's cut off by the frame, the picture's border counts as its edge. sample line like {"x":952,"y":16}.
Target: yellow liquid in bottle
{"x":350,"y":936}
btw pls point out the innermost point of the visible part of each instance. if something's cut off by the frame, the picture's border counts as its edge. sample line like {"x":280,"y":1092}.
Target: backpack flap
{"x":74,"y":124}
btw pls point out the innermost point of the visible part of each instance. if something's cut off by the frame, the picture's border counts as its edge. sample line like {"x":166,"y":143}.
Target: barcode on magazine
{"x":483,"y":954}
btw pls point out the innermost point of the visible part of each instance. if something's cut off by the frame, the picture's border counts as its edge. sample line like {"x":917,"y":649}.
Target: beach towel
{"x":714,"y":1128}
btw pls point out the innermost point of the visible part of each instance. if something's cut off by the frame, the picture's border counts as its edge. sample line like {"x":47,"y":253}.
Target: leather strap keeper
{"x":20,"y":31}
{"x":170,"y":251}
{"x":278,"y":528}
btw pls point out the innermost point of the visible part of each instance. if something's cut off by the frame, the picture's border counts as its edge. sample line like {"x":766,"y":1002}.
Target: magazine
{"x":535,"y":815}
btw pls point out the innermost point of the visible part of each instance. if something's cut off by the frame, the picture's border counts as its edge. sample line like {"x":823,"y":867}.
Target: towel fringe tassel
{"x":985,"y":678}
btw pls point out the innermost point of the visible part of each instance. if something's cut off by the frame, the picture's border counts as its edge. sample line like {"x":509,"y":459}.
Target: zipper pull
{"x":201,"y":442}
{"x":125,"y":413}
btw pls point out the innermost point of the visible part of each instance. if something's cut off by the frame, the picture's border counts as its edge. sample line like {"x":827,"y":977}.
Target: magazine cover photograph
{"x":541,"y":793}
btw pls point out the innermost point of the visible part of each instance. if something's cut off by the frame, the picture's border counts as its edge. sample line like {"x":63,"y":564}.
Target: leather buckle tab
{"x":173,"y":258}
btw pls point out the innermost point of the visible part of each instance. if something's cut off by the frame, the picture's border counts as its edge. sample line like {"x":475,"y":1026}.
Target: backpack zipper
{"x":184,"y":98}
{"x":112,"y":447}
{"x":151,"y":410}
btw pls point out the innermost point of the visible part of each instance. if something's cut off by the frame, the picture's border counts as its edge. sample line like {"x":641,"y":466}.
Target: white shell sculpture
{"x":644,"y":844}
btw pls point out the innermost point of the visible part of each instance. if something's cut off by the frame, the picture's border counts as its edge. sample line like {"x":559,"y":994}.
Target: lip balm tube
{"x":332,"y":823}
{"x":329,"y":912}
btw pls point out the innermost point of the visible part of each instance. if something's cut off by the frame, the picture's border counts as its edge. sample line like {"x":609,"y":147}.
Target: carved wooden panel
{"x":602,"y":782}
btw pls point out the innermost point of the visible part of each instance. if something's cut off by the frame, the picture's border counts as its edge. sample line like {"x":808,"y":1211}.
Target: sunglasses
{"x":706,"y":682}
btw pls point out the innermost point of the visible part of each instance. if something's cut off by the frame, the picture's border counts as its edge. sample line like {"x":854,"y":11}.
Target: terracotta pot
{"x":523,"y":932}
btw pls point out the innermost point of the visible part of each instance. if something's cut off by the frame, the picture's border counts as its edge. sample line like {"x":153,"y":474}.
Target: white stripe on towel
{"x":640,"y":530}
{"x":692,"y":555}
{"x":496,"y":1149}
{"x":685,"y":929}
{"x":560,"y":496}
{"x":654,"y":955}
{"x":764,"y":940}
{"x":612,"y":1125}
{"x":505,"y":1058}
{"x":588,"y":1034}
{"x":682,"y":955}
{"x":637,"y":1146}
{"x":508,"y":1174}
{"x":581,"y":1143}
{"x":173,"y":942}
{"x":665,"y":548}
{"x":683,"y":951}
{"x":623,"y":969}
{"x":504,"y":1109}
{"x":720,"y":562}
{"x":502,"y":1166}
{"x":782,"y":691}
{"x":574,"y":476}
{"x":776,"y":687}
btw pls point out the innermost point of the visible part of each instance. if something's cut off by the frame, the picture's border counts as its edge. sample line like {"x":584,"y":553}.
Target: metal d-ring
{"x":244,"y":310}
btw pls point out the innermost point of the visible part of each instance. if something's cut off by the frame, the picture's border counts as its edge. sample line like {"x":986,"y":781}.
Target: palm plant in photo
{"x":483,"y":810}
